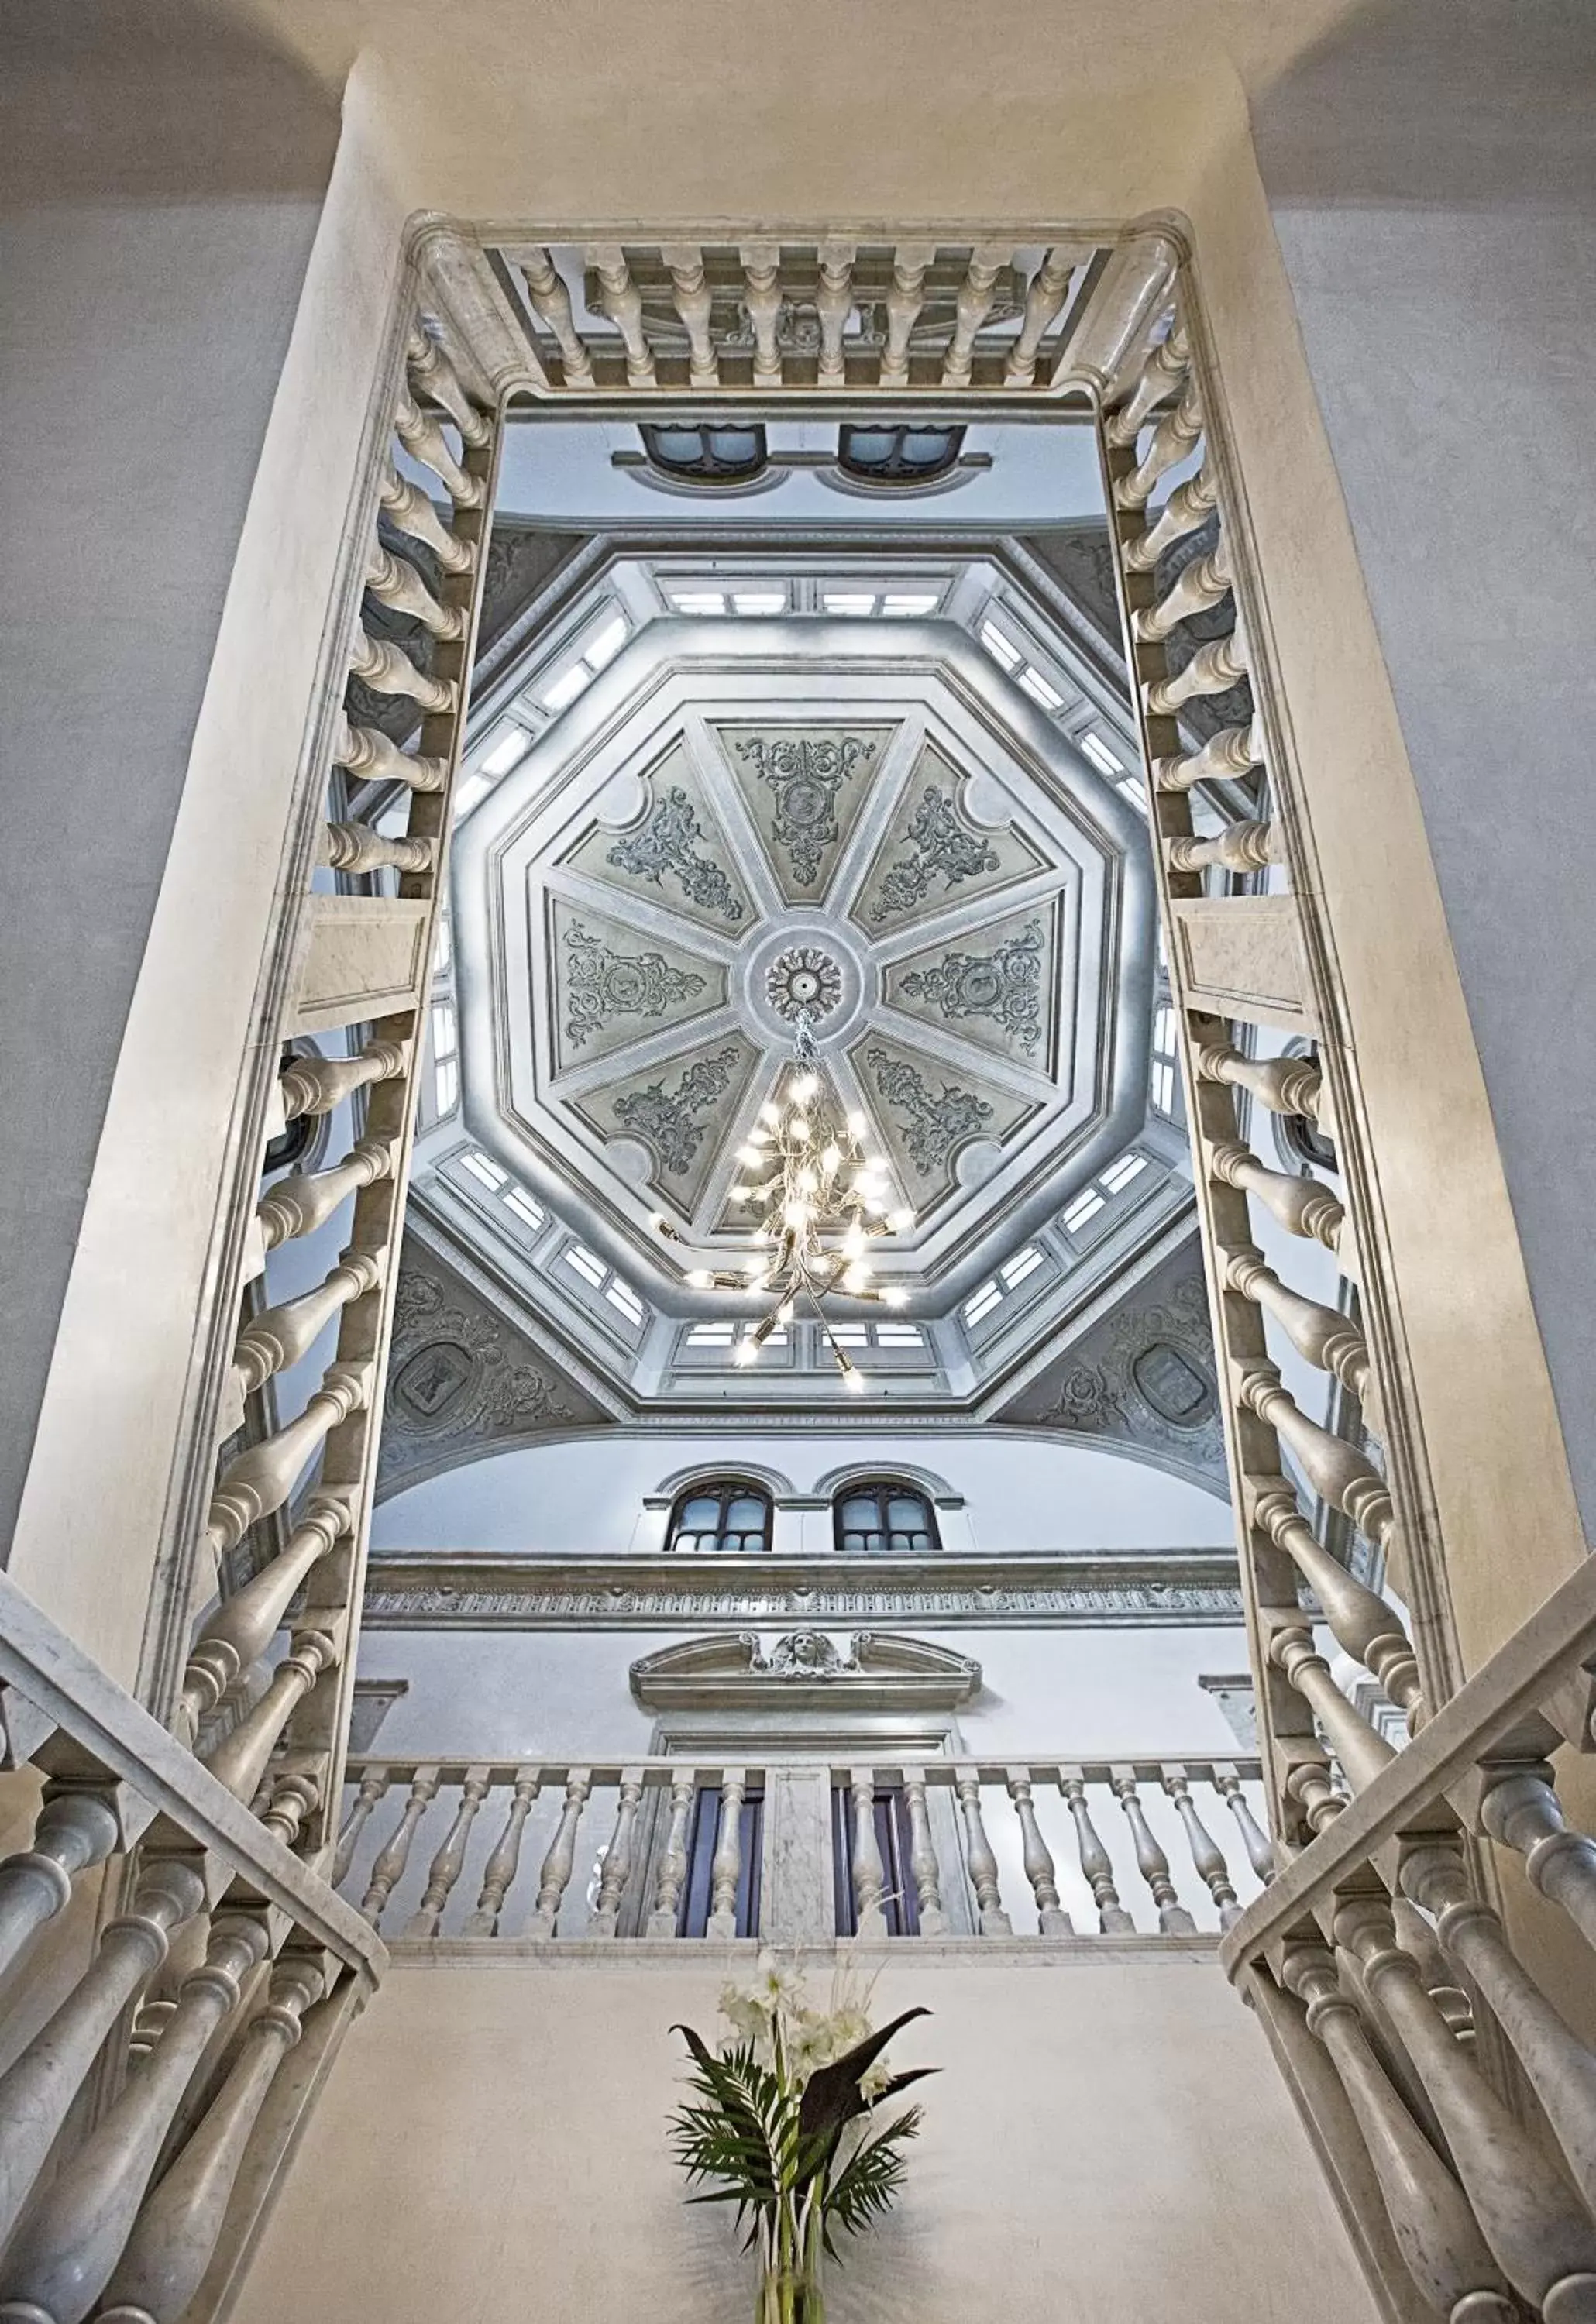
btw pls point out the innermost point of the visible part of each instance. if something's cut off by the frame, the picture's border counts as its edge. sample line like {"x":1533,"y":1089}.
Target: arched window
{"x":885,"y":1517}
{"x":707,"y":452}
{"x":720,"y":1513}
{"x":898,"y":456}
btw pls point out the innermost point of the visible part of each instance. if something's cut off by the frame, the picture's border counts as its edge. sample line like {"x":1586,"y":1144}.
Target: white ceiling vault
{"x":694,"y":801}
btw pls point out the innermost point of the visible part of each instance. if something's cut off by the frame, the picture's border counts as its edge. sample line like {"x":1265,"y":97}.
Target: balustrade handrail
{"x":946,"y":1767}
{"x":68,"y":1694}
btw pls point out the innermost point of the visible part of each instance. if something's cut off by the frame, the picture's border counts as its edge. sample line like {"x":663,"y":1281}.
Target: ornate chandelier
{"x":818,"y":1201}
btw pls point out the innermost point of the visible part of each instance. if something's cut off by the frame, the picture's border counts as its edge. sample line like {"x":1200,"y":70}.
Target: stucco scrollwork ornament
{"x":669,"y":1118}
{"x":670,"y":842}
{"x":1004,"y":985}
{"x":805,"y":772}
{"x":804,"y":1669}
{"x":805,"y":981}
{"x":600,"y":983}
{"x":942,"y":846}
{"x":932,"y":1126}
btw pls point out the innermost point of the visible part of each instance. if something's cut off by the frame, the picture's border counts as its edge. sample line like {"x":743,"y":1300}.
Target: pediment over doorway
{"x":805,"y":1670}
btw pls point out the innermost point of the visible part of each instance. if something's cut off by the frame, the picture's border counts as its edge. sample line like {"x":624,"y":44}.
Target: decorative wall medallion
{"x":805,"y":772}
{"x":1004,"y":985}
{"x":668,"y":842}
{"x":932,"y":1124}
{"x":671,"y":1120}
{"x":600,"y":984}
{"x":804,"y":978}
{"x":1175,"y":1388}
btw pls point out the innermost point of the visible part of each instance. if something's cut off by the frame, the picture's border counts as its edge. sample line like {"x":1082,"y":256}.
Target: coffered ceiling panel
{"x":608,"y":984}
{"x":802,"y":788}
{"x":998,"y":987}
{"x":935,"y":852}
{"x":674,"y":852}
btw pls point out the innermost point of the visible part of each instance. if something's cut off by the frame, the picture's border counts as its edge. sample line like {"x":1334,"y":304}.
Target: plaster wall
{"x":587,"y":1495}
{"x":1105,"y":2139}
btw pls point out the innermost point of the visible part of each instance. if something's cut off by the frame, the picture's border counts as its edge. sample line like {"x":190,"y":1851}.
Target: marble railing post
{"x":278,"y":1336}
{"x":75,"y":1829}
{"x":725,"y":1870}
{"x":498,"y":1874}
{"x":761,"y":296}
{"x":262,"y":1476}
{"x":177,"y":2231}
{"x":1520,"y":1809}
{"x":373,"y":1786}
{"x":1096,"y":1867}
{"x":551,"y":303}
{"x":833,"y":303}
{"x":235,"y":1634}
{"x":604,"y":1917}
{"x":987,"y":262}
{"x":865,"y":1864}
{"x":557,"y":1864}
{"x":1044,"y":301}
{"x":1357,"y":1618}
{"x":1323,"y":1335}
{"x":449,"y":1861}
{"x":622,"y":303}
{"x":1207,"y":1857}
{"x":301,"y":1202}
{"x":239,"y":1760}
{"x":1260,"y":1852}
{"x":905,"y":297}
{"x":922,"y":1861}
{"x":982,"y":1864}
{"x":1335,"y":1469}
{"x":389,"y":1867}
{"x":321,"y":1085}
{"x":1052,"y":1921}
{"x":1302,"y":1205}
{"x":694,"y":302}
{"x":673,"y":1856}
{"x":1150,"y":1859}
{"x":1364,"y":1754}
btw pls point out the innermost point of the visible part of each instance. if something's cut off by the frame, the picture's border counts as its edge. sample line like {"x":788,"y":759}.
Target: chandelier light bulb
{"x":894,"y":1299}
{"x":875,"y":1205}
{"x":800,"y":1129}
{"x":831,"y":1159}
{"x":852,"y":1378}
{"x":701,"y":1278}
{"x":745,"y":1352}
{"x":770,"y":1114}
{"x":853,"y":1241}
{"x":808,"y":1181}
{"x":784,"y":1313}
{"x":795,"y":1215}
{"x":857,"y":1124}
{"x":901,"y":1221}
{"x":751,"y":1154}
{"x":802,"y":1090}
{"x":856,"y":1278}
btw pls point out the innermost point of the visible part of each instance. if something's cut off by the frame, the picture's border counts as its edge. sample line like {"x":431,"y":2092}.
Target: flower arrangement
{"x":783,"y":2121}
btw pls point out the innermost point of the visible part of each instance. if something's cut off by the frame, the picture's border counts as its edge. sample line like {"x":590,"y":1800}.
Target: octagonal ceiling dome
{"x":735,"y":821}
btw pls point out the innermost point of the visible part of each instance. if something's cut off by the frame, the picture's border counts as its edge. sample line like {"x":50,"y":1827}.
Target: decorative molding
{"x":941,"y":846}
{"x":669,"y":1119}
{"x":1106,"y":1590}
{"x":600,"y":984}
{"x":805,"y":1670}
{"x":1004,"y":985}
{"x":932,"y":1126}
{"x":670,"y":842}
{"x":805,"y":980}
{"x":805,"y":772}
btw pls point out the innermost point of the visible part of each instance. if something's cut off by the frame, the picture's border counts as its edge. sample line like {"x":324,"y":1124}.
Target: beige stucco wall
{"x":1107,"y":2141}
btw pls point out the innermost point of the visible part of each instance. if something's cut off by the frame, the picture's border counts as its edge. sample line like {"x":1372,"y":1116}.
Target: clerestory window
{"x":898,"y":456}
{"x":723,"y":1513}
{"x":705,"y":453}
{"x":885,"y":1517}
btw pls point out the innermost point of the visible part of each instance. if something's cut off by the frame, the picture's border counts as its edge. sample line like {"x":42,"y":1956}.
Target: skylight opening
{"x":469,"y":794}
{"x":982,"y":1303}
{"x":1002,"y":648}
{"x":1101,"y":756}
{"x":1084,"y":1207}
{"x":1024,"y":1262}
{"x":899,"y":1335}
{"x":760,"y":601}
{"x":592,"y":1270}
{"x":697,"y":601}
{"x":531,"y":1213}
{"x":1130,"y":786}
{"x":852,"y":602}
{"x":905,"y":604}
{"x":622,"y":1295}
{"x":598,"y":650}
{"x":1120,"y":1174}
{"x":487,"y":1172}
{"x":1038,"y":687}
{"x":446,"y":1064}
{"x":509,"y":750}
{"x":709,"y":1336}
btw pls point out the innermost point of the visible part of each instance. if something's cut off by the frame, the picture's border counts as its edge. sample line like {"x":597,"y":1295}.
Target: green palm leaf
{"x":867,"y":2185}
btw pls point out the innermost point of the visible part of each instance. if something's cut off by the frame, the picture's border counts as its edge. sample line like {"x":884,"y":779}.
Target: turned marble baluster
{"x":987,"y":262}
{"x":1260,"y":1852}
{"x":1363,"y":1753}
{"x":994,"y":1921}
{"x":1187,"y":509}
{"x":905,"y":297}
{"x":1435,"y":2231}
{"x":238,"y":1631}
{"x":556,"y":1872}
{"x":1415,"y":1936}
{"x":178,"y":2229}
{"x":61,"y":2259}
{"x":374,"y":1788}
{"x":408,"y":510}
{"x":1150,"y":1859}
{"x":278,"y":1336}
{"x":1164,"y":373}
{"x":551,"y":303}
{"x":1207,"y":1857}
{"x":394,"y":582}
{"x":616,"y":1871}
{"x":368,"y":754}
{"x":1310,"y":1786}
{"x":1337,"y":1471}
{"x":1323,"y":1335}
{"x":387,"y":669}
{"x":689,"y":288}
{"x":262,"y":1476}
{"x":1519,"y":1807}
{"x":300,"y":1202}
{"x":1280,"y":1084}
{"x":1200,"y":585}
{"x":761,"y":296}
{"x":725,"y":1868}
{"x":431,"y":370}
{"x":673,"y":1856}
{"x":294,"y":1795}
{"x":1174,"y":439}
{"x":1049,"y":285}
{"x":833,"y":303}
{"x":498,"y":1874}
{"x":1052,"y":1920}
{"x":41,"y":2082}
{"x":321,"y":1085}
{"x":356,"y":847}
{"x":864,"y":1861}
{"x":1096,"y":1868}
{"x":1226,"y":756}
{"x":239,"y":1759}
{"x":73,"y":1830}
{"x":1213,"y":668}
{"x":389,"y":1866}
{"x":622,"y":303}
{"x":1358,"y":1618}
{"x":1302,"y":1205}
{"x":450,"y":1859}
{"x":1239,"y":847}
{"x":424,"y":441}
{"x":922,"y":1855}
{"x":1540,"y":2236}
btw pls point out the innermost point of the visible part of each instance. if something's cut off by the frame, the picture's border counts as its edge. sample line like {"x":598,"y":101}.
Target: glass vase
{"x":789,"y":2296}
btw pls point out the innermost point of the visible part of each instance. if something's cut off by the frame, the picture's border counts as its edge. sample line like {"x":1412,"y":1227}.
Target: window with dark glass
{"x":895,"y":1843}
{"x":704,"y":1839}
{"x":898,"y":456}
{"x":707,"y":452}
{"x":884,"y":1518}
{"x":727,"y":1513}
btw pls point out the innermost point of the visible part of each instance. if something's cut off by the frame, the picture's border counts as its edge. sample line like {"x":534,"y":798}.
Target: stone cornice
{"x":1103,"y":1588}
